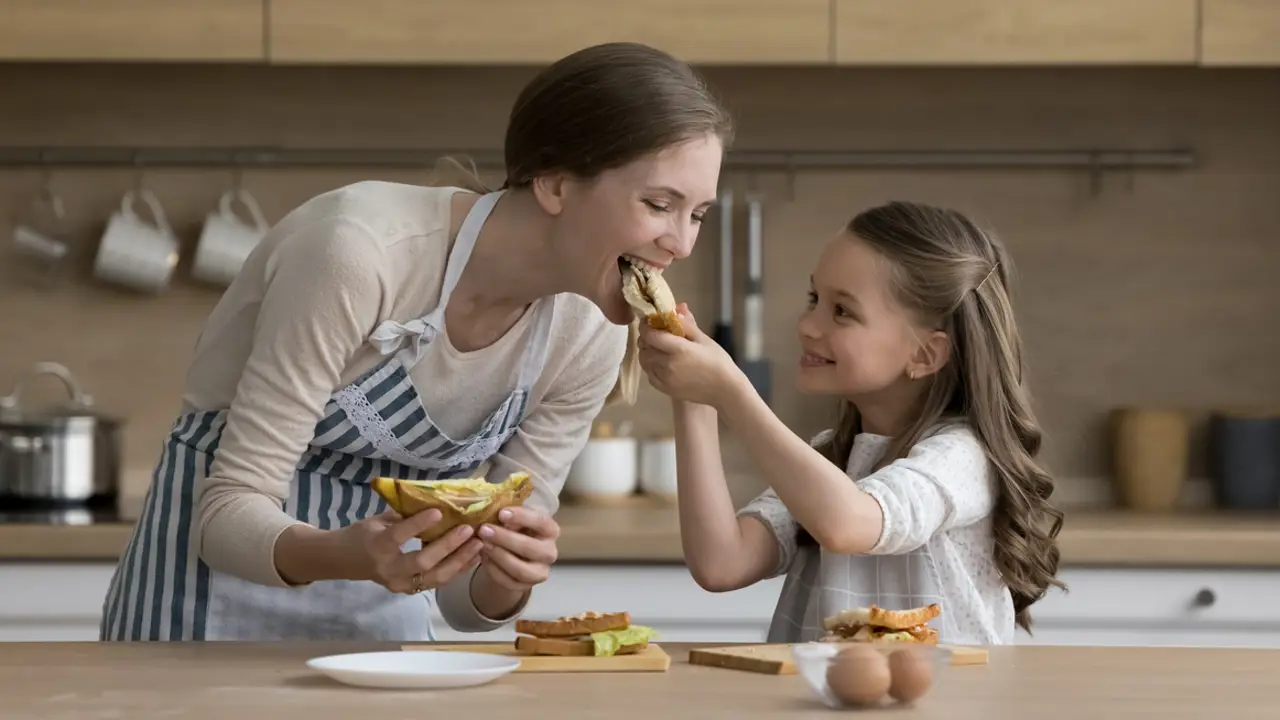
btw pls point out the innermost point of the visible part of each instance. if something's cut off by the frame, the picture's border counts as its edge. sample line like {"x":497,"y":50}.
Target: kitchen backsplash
{"x":1159,"y":291}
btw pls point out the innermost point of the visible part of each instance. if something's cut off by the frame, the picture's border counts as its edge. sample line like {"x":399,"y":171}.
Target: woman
{"x":418,"y":332}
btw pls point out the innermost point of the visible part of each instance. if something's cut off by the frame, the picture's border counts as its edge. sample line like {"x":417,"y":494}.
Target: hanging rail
{"x":747,"y":160}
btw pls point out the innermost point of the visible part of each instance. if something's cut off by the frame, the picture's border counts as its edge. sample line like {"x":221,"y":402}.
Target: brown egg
{"x":912,"y":674}
{"x":859,"y":675}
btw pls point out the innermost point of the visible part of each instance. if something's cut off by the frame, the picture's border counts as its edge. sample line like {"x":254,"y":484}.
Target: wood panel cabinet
{"x":520,"y":31}
{"x":1015,"y":32}
{"x":132,"y":30}
{"x":1240,"y":32}
{"x":707,"y":32}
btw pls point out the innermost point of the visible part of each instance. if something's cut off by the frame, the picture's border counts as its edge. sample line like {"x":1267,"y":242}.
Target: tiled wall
{"x":1161,"y":290}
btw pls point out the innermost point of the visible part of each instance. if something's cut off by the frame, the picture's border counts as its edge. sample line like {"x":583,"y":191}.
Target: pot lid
{"x":80,"y":404}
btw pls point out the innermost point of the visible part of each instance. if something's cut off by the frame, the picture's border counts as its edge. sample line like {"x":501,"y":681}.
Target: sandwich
{"x":647,"y":292}
{"x":589,"y":634}
{"x":465,"y":501}
{"x":877,"y":625}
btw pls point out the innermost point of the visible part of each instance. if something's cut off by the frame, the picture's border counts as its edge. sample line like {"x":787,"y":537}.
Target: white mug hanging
{"x":226,"y":239}
{"x":135,"y":253}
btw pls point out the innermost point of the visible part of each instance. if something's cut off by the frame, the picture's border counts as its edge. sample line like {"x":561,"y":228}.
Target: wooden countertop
{"x":269,"y":680}
{"x":645,"y":531}
{"x":640,"y":530}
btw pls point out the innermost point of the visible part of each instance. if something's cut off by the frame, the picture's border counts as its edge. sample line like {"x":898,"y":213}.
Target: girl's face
{"x":856,"y":339}
{"x":648,"y":211}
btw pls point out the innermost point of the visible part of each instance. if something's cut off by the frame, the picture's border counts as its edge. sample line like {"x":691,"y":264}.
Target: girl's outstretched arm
{"x":821,"y":497}
{"x":944,"y":481}
{"x":724,"y":552}
{"x":817,"y":494}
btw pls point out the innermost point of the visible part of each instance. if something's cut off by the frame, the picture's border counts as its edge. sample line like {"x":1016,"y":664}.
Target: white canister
{"x":605,"y":469}
{"x":135,"y":253}
{"x":658,"y":467}
{"x":227,"y":239}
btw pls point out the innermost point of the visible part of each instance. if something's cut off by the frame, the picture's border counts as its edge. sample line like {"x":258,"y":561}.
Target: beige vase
{"x":1151,"y":450}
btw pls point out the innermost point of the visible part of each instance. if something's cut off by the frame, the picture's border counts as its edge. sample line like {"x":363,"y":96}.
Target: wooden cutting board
{"x":776,"y":659}
{"x":651,"y":659}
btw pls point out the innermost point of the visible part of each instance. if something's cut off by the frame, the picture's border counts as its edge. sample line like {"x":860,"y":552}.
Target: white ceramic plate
{"x":414,"y":669}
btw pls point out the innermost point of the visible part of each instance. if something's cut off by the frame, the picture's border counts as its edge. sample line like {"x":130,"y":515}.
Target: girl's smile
{"x":809,"y":360}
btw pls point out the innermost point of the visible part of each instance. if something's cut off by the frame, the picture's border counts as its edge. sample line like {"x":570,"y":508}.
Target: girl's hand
{"x":695,"y":369}
{"x":371,"y":550}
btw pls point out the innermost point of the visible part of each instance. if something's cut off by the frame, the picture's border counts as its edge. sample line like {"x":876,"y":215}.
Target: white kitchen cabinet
{"x":62,"y":602}
{"x":1105,"y":606}
{"x":52,"y":601}
{"x":1148,"y":606}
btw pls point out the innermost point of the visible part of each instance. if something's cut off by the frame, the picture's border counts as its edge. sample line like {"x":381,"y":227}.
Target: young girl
{"x":909,"y":322}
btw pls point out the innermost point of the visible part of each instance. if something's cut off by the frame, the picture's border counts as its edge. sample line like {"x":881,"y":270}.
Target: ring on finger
{"x":417,"y":583}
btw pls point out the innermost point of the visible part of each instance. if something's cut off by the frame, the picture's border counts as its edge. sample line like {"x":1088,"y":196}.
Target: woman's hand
{"x":518,"y":554}
{"x":695,"y":368}
{"x":371,"y":549}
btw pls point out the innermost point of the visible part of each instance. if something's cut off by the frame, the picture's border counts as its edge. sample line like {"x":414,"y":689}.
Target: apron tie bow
{"x":390,"y":335}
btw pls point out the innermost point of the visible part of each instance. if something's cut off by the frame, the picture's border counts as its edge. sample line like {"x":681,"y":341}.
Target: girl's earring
{"x":911,"y":375}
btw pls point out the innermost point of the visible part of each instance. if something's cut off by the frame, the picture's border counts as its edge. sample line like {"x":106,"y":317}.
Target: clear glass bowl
{"x":815,"y":658}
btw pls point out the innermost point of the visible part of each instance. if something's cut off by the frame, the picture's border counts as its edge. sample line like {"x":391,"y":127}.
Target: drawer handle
{"x":1204,"y":598}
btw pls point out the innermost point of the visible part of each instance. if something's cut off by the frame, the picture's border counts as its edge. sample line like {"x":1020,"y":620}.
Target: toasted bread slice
{"x":575,"y":626}
{"x":877,"y":617}
{"x":668,"y":321}
{"x":568,"y":646}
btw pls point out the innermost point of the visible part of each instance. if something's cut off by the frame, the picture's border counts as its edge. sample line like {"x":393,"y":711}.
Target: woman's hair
{"x":954,"y":277}
{"x":598,"y":109}
{"x":605,"y":106}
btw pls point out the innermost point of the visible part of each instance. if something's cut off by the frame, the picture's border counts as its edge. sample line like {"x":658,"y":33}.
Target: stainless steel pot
{"x":68,"y":454}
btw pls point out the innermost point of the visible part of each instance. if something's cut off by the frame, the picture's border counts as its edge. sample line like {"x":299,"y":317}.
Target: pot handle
{"x":80,"y":398}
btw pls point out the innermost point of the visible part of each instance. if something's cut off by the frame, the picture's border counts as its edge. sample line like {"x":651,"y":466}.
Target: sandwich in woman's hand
{"x":877,"y":625}
{"x":645,"y":290}
{"x":461,"y":501}
{"x":591,"y":633}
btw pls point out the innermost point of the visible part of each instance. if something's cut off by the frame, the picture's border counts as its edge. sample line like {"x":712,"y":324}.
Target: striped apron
{"x":376,"y":426}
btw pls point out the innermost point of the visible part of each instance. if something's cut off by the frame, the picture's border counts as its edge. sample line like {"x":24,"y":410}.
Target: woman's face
{"x":648,"y":211}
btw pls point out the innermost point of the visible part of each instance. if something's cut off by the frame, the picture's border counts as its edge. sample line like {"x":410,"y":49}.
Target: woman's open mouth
{"x":629,"y":262}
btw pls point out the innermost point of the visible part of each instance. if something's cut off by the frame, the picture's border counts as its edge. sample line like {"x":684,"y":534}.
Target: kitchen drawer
{"x":55,"y":602}
{"x":1164,"y":598}
{"x":63,"y":592}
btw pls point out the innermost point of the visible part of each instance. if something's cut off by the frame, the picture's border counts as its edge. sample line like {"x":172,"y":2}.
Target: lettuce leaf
{"x":610,"y":642}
